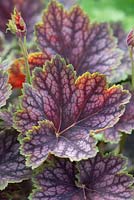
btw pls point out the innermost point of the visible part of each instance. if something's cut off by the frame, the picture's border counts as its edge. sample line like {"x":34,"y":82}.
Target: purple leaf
{"x":99,"y":178}
{"x":12,"y":164}
{"x":103,"y":178}
{"x":125,"y":124}
{"x":124,"y":69}
{"x":5,"y":88}
{"x":57,"y":181}
{"x":89,"y":47}
{"x":41,"y":140}
{"x":74,"y":107}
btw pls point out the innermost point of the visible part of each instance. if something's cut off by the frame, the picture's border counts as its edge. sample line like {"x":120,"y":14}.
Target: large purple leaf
{"x":103,"y":178}
{"x":124,"y":125}
{"x":12,"y":163}
{"x":89,"y":47}
{"x":99,"y":178}
{"x":124,"y":69}
{"x":74,"y":107}
{"x":75,"y":143}
{"x":5,"y":88}
{"x":57,"y":181}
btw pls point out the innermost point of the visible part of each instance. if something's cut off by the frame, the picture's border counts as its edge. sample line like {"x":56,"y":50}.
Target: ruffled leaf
{"x":124,"y":69}
{"x":74,"y":107}
{"x":104,"y":178}
{"x":57,"y":181}
{"x":12,"y":163}
{"x":41,"y":140}
{"x":37,"y":59}
{"x":89,"y":47}
{"x":124,"y":125}
{"x":5,"y":89}
{"x":99,"y":178}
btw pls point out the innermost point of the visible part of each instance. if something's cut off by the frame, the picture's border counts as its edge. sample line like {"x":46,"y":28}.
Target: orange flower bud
{"x":16,"y":24}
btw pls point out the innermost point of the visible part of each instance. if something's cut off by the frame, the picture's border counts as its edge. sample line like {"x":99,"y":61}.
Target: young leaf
{"x":37,"y":59}
{"x":5,"y":89}
{"x":16,"y":73}
{"x":125,"y":124}
{"x":89,"y":47}
{"x":74,"y":107}
{"x":16,"y":70}
{"x":12,"y":163}
{"x":100,"y":178}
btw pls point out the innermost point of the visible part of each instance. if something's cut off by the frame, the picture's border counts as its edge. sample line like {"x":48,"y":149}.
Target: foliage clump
{"x":60,"y":111}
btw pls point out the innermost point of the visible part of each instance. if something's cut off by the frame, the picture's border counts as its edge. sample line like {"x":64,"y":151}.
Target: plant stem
{"x":23,"y":46}
{"x":130,"y":169}
{"x":132,"y":66}
{"x":122,"y":143}
{"x":101,"y":146}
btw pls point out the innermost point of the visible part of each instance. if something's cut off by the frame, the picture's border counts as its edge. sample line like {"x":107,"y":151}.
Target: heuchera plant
{"x":60,"y":111}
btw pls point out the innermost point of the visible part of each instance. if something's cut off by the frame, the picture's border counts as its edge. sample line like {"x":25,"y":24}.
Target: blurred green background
{"x":110,"y":10}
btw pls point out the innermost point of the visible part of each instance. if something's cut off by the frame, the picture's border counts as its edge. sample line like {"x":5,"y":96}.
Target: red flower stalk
{"x":130,"y":38}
